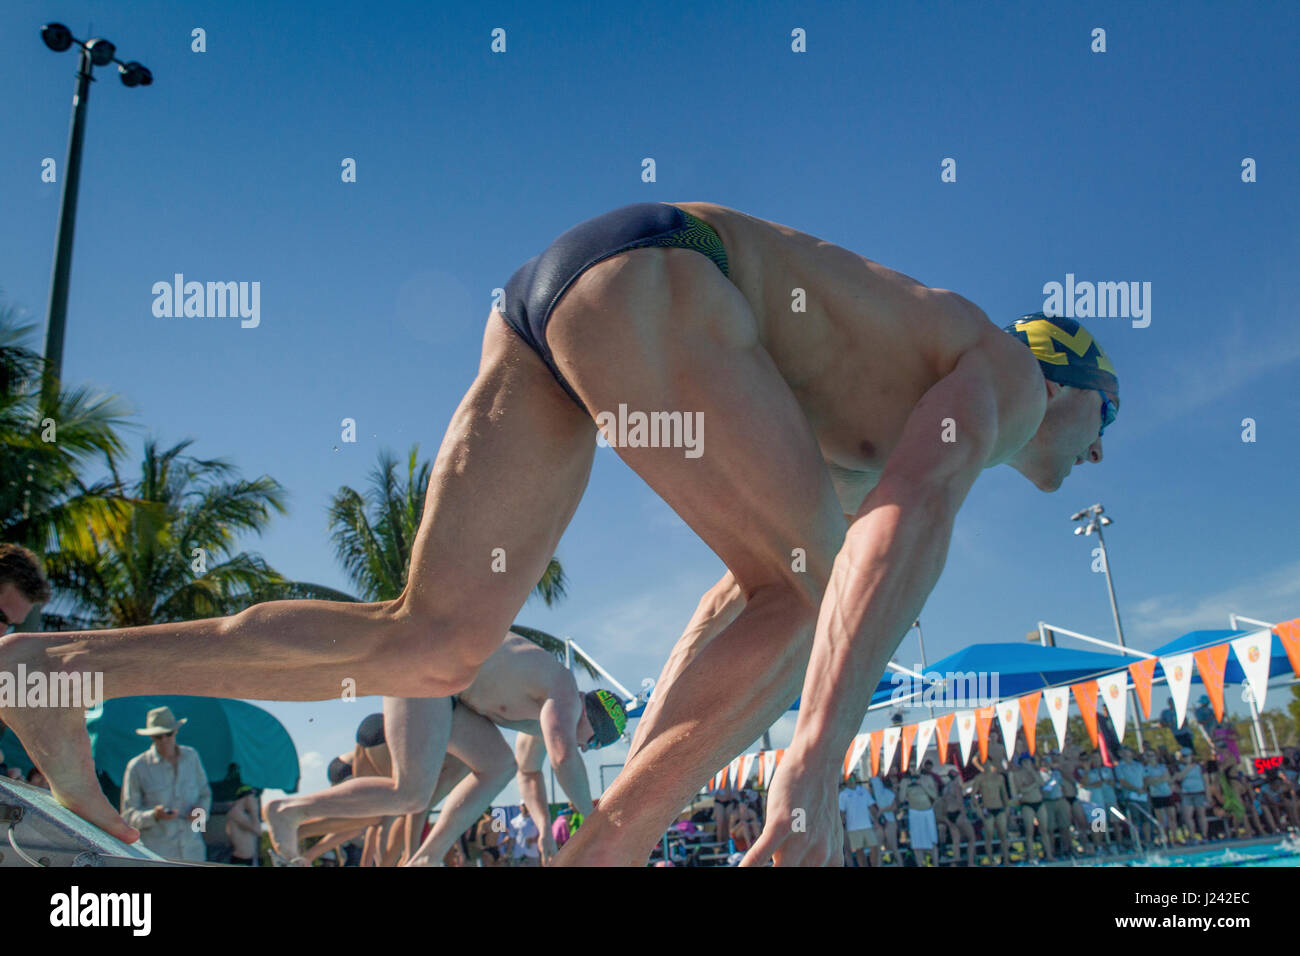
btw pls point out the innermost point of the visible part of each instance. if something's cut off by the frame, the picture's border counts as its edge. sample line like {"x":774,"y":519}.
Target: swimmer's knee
{"x":804,"y":577}
{"x":411,"y":793}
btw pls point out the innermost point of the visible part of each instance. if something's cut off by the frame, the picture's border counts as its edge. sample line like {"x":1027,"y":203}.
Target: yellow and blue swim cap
{"x":1066,"y":352}
{"x":607,"y":716}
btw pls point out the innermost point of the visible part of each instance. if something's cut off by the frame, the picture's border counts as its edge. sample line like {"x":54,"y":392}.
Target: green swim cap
{"x":606,"y":714}
{"x":1079,"y":361}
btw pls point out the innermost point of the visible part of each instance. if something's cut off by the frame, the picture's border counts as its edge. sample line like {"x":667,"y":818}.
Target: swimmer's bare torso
{"x":513,"y":684}
{"x":870,"y":344}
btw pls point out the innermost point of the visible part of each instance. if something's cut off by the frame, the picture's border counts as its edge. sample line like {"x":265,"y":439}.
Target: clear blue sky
{"x":1117,"y":166}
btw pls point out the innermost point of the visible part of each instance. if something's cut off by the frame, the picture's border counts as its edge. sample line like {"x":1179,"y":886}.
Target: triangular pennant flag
{"x":1112,"y":688}
{"x":1252,"y":652}
{"x":1008,"y":720}
{"x":1210,"y":663}
{"x":876,"y":740}
{"x":733,"y":774}
{"x":909,"y":734}
{"x":1057,"y":700}
{"x":1178,"y":675}
{"x":1029,"y":716}
{"x":1288,"y":632}
{"x":942,"y":729}
{"x":924,"y":734}
{"x":891,"y":744}
{"x":965,"y":733}
{"x":983,"y":719}
{"x":769,"y":768}
{"x":746,"y":769}
{"x":853,"y":758}
{"x":1142,"y":672}
{"x":1085,"y":695}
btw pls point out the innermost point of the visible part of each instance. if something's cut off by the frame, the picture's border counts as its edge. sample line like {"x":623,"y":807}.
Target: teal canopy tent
{"x":222,"y":731}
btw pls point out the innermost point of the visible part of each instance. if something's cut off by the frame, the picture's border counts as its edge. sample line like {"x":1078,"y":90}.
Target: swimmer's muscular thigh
{"x":509,"y":475}
{"x":663,"y":330}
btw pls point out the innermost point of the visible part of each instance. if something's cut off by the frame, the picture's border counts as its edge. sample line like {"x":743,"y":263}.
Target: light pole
{"x":97,"y":52}
{"x":921,"y":640}
{"x":1092,"y":520}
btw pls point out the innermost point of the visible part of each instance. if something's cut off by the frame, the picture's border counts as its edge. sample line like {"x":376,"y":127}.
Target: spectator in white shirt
{"x":524,"y":832}
{"x":165,"y":793}
{"x":857,"y":807}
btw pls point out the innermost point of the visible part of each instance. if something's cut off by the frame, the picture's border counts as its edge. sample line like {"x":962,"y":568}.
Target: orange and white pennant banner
{"x":1178,"y":675}
{"x":891,"y":744}
{"x":943,"y":733}
{"x":771,"y":759}
{"x":1009,"y":721}
{"x":924,"y":734}
{"x":909,"y":735}
{"x":1288,"y":632}
{"x":853,"y":756}
{"x":1112,"y":688}
{"x":965,"y":733}
{"x":1210,"y":664}
{"x":733,"y":773}
{"x":983,"y":721}
{"x":1142,"y":672}
{"x":1253,"y":652}
{"x":1029,"y":716}
{"x":1085,"y":697}
{"x":746,"y":769}
{"x":1057,"y":701}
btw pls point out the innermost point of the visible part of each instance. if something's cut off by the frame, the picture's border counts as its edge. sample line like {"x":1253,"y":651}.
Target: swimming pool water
{"x":1282,"y":853}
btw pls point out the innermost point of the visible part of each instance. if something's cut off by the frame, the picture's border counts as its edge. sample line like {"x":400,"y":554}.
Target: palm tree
{"x":44,"y":503}
{"x":172,"y":557}
{"x":374,"y":534}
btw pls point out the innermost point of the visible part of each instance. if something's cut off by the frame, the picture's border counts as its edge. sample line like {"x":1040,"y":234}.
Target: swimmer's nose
{"x":1094,"y":452}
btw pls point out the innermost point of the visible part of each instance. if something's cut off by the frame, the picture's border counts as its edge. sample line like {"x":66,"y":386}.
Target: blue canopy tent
{"x":1020,"y":669}
{"x":222,"y":731}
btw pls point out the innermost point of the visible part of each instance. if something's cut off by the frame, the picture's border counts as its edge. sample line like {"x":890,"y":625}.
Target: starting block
{"x":35,"y":825}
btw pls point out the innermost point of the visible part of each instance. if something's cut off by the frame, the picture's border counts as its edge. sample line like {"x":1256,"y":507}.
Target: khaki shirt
{"x":151,"y":780}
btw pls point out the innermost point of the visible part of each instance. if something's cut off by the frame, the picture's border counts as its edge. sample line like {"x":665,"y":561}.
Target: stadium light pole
{"x":96,"y":52}
{"x":920,"y":637}
{"x":1092,"y":520}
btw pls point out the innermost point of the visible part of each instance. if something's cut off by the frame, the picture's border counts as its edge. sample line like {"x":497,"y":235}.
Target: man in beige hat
{"x":165,"y":793}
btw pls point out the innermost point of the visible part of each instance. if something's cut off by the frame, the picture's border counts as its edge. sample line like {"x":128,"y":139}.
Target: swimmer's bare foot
{"x":56,"y":740}
{"x":282,"y":824}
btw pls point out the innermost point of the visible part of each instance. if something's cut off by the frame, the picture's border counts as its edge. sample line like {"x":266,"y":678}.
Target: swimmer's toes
{"x":95,"y":808}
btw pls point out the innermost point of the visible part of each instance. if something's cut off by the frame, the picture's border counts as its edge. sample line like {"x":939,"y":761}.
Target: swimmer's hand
{"x":803,"y":819}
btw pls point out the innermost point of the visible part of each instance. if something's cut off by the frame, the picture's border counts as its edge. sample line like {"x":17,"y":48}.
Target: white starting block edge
{"x":32,"y":820}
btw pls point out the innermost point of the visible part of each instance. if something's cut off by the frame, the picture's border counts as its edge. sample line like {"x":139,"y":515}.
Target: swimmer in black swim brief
{"x":535,"y":289}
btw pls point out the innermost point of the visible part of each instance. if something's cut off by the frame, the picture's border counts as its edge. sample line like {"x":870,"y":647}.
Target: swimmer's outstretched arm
{"x":891,"y":559}
{"x":559,"y":721}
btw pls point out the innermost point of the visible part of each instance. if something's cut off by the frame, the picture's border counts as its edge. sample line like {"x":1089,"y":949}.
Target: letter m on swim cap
{"x":1042,"y":334}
